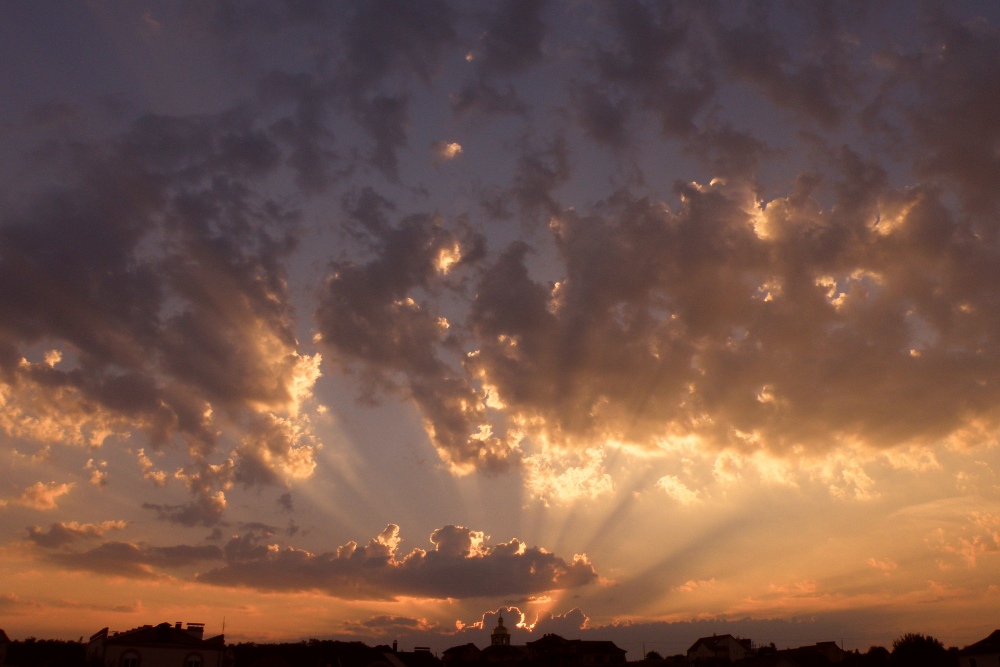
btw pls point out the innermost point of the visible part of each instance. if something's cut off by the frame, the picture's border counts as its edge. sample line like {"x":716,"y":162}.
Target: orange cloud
{"x":42,"y":496}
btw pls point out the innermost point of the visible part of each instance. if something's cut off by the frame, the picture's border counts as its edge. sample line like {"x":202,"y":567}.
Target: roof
{"x":989,"y":645}
{"x":417,"y":658}
{"x":470,"y":647}
{"x":500,"y":652}
{"x":714,"y":642}
{"x":601,"y":644}
{"x":164,"y":634}
{"x":550,"y":642}
{"x":313,"y":652}
{"x":4,"y":639}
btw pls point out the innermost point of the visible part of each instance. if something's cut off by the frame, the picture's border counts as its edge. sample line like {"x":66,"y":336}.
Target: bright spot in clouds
{"x":446,"y":150}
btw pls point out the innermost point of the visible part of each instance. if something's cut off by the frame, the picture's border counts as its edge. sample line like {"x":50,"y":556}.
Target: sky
{"x":628,"y":320}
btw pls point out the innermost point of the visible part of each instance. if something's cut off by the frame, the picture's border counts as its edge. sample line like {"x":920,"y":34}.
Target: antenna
{"x":223,"y":625}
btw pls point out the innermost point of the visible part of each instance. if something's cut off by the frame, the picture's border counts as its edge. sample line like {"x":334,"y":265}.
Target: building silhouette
{"x":162,"y":645}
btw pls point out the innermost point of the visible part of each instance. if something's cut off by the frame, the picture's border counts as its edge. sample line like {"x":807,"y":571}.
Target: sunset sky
{"x":635,"y":321}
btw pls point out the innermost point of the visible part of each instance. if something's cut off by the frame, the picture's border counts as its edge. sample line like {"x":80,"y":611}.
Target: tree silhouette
{"x":917,"y":650}
{"x":876,"y":656}
{"x":653,"y":655}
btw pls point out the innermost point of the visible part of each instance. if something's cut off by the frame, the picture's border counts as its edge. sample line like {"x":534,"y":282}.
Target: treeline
{"x":33,"y":652}
{"x":909,"y":650}
{"x":912,"y":650}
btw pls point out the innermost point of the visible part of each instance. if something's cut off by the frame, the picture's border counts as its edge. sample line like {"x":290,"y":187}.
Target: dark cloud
{"x":383,"y":39}
{"x":568,"y":624}
{"x":510,"y":44}
{"x":461,"y":565}
{"x":796,"y":334}
{"x":15,"y":604}
{"x":540,"y":170}
{"x":815,"y":294}
{"x":134,"y":561}
{"x":305,"y":127}
{"x":369,"y":315}
{"x":415,"y":629}
{"x":729,"y":153}
{"x":601,"y":117}
{"x":512,"y":40}
{"x":781,"y":324}
{"x":156,"y":273}
{"x":61,"y":534}
{"x":488,"y":98}
{"x":815,"y":79}
{"x":655,"y":55}
{"x":952,"y":119}
{"x":384,"y":118}
{"x":205,"y":510}
{"x":386,"y":36}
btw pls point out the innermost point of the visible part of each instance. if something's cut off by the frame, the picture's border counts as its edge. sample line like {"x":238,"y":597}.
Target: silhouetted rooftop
{"x":989,"y":645}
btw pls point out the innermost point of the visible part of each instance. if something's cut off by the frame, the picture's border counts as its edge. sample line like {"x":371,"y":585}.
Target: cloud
{"x":815,"y":80}
{"x":61,"y":534}
{"x":510,"y":44}
{"x":601,"y":117}
{"x":726,"y":321}
{"x":445,"y":151}
{"x":204,"y":510}
{"x":381,"y":39}
{"x":98,"y":472}
{"x":656,"y":59}
{"x":568,"y":624}
{"x":390,"y":626}
{"x":41,"y":496}
{"x":276,"y":449}
{"x":461,"y":565}
{"x":134,"y":560}
{"x":540,"y":170}
{"x":161,"y":284}
{"x":886,"y":567}
{"x":677,"y":490}
{"x":11,"y":603}
{"x":956,"y":97}
{"x":981,"y":535}
{"x":369,"y":316}
{"x":512,"y":41}
{"x":557,"y":476}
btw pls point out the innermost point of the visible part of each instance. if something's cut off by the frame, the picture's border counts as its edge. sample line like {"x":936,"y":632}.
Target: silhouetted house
{"x":822,"y":654}
{"x":503,"y":655}
{"x":4,"y":643}
{"x":421,"y":656}
{"x":314,"y":653}
{"x":554,"y":651}
{"x":829,"y":650}
{"x":660,"y":661}
{"x":720,"y":648}
{"x":466,"y":655}
{"x":163,"y":645}
{"x":984,"y":653}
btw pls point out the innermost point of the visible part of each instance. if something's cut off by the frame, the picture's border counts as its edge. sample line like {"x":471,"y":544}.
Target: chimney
{"x":395,"y":645}
{"x":178,"y":625}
